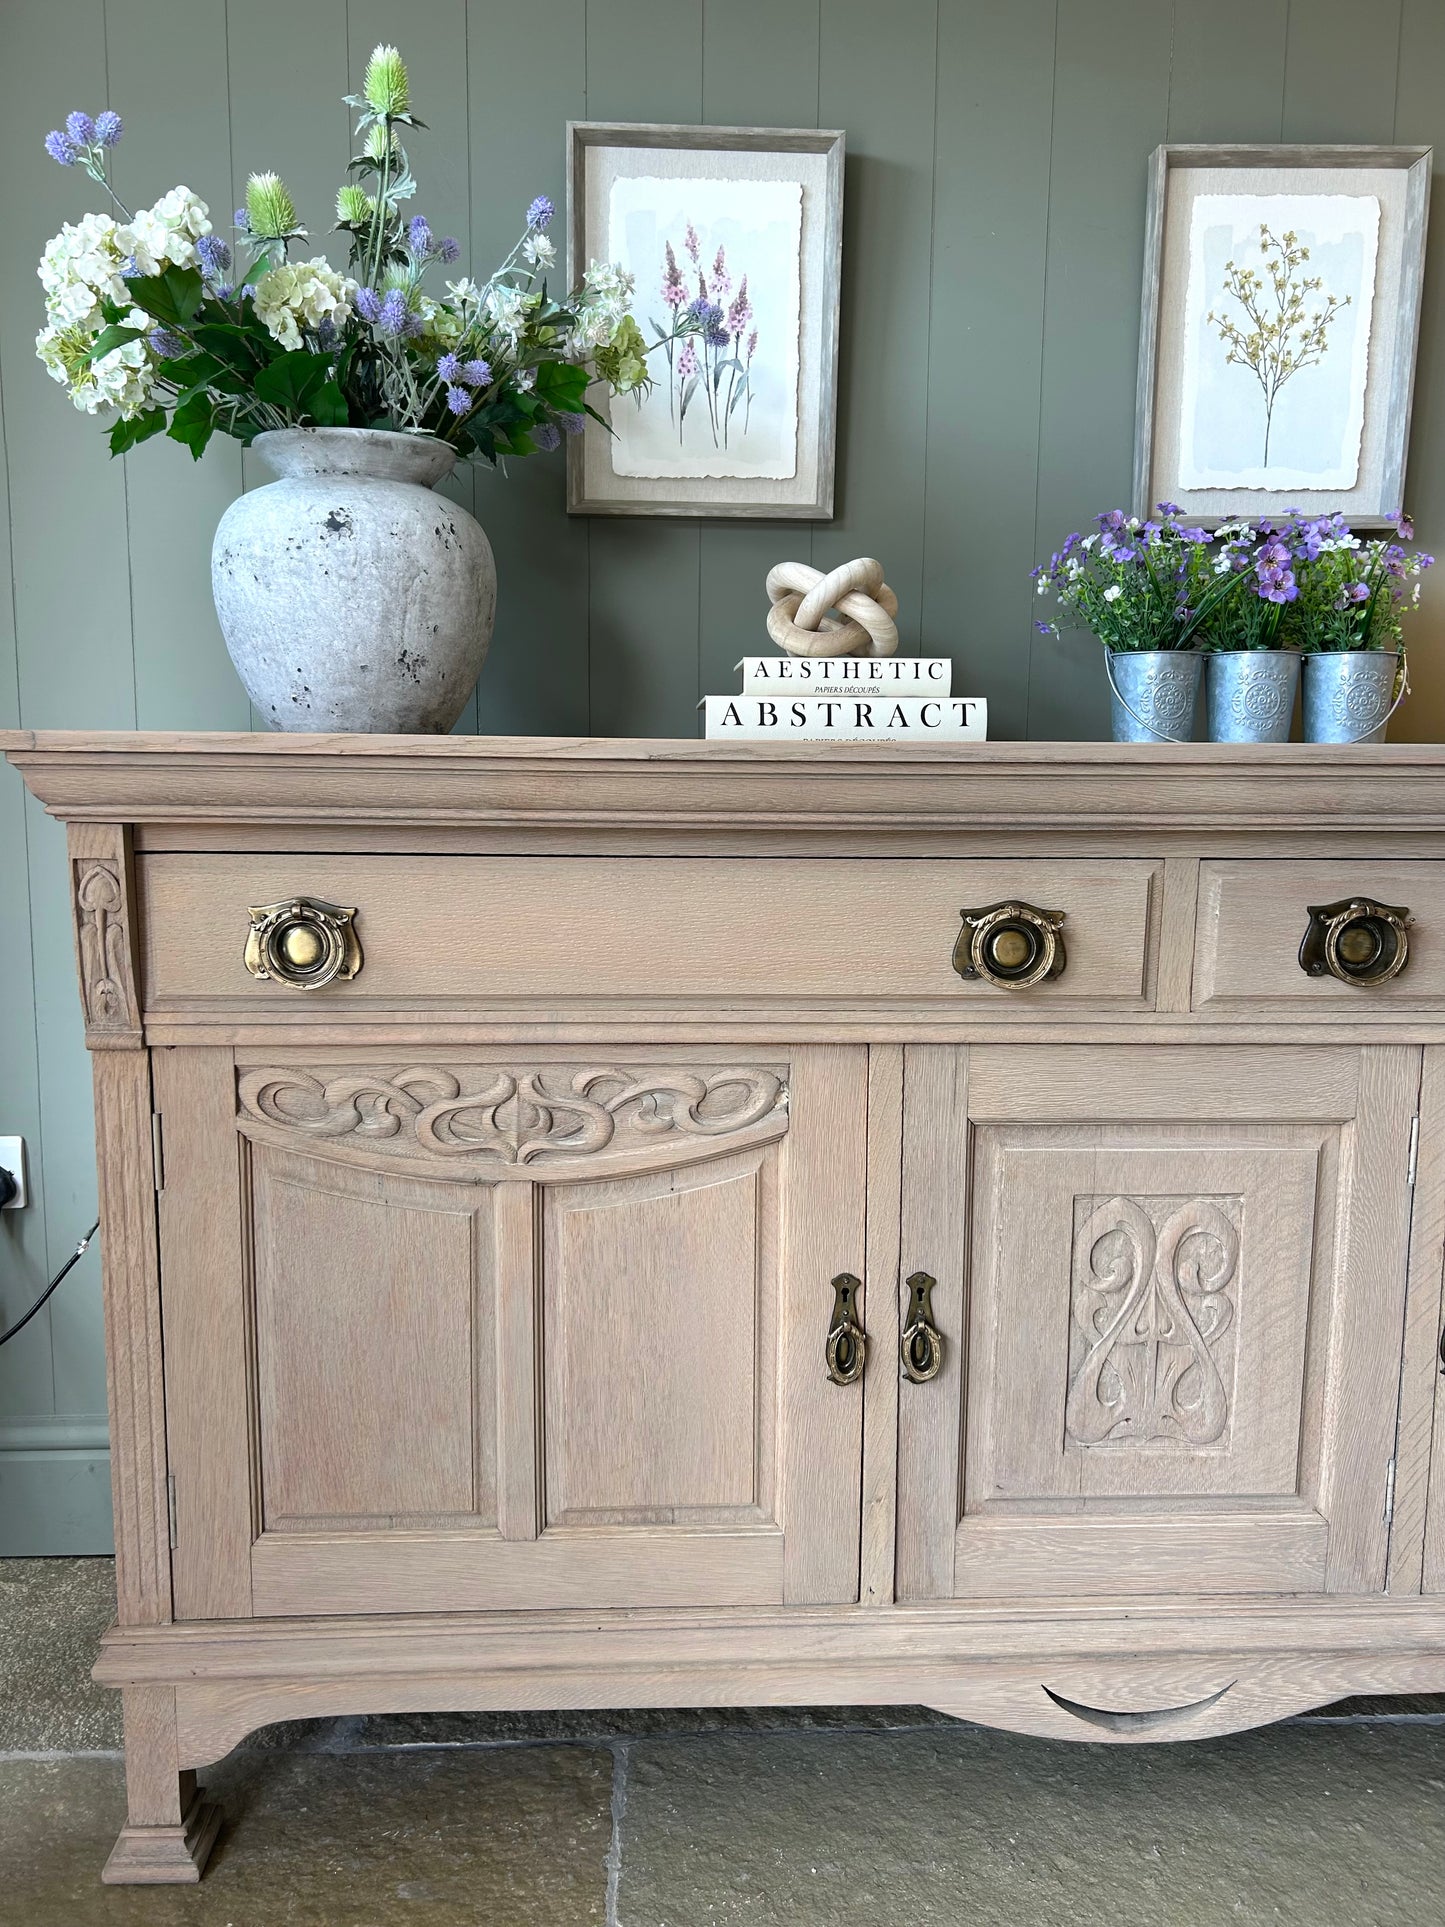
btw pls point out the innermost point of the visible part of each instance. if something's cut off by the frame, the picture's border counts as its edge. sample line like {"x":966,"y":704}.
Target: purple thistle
{"x":572,"y":423}
{"x":108,"y":128}
{"x":449,"y":368}
{"x":539,"y":214}
{"x":449,"y":249}
{"x":717,"y":337}
{"x":128,"y":269}
{"x":477,"y":373}
{"x":368,"y":305}
{"x":547,"y":437}
{"x":223,"y":291}
{"x":165,"y":343}
{"x":412,"y":325}
{"x":215,"y":256}
{"x":327,"y":333}
{"x":459,"y":400}
{"x":240,"y":221}
{"x":60,"y":147}
{"x":81,"y":129}
{"x":419,"y":236}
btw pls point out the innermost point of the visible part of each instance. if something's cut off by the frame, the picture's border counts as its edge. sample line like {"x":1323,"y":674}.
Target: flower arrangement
{"x":1302,"y":583}
{"x":154,"y":319}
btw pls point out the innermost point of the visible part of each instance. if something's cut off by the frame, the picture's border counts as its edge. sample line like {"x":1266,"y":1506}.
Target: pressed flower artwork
{"x":1277,"y":321}
{"x":722,"y":258}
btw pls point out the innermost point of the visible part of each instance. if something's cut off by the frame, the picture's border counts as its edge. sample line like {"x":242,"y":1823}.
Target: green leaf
{"x":111,"y":338}
{"x":291,"y":380}
{"x":328,"y":407}
{"x":193,"y":424}
{"x":140,"y":428}
{"x":174,"y":296}
{"x":561,"y":385}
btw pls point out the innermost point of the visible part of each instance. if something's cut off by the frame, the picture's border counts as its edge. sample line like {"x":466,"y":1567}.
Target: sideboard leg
{"x":169,"y":1828}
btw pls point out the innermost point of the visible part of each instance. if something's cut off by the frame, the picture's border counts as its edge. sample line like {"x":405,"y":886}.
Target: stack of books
{"x":846,"y":698}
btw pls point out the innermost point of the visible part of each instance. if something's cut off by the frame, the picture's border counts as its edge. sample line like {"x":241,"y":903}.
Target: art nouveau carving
{"x":508,"y":1117}
{"x":1151,"y":1309}
{"x":107,"y":984}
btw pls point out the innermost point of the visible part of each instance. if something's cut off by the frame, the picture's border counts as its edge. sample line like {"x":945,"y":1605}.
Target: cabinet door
{"x":501,"y":1333}
{"x":1171,"y":1286}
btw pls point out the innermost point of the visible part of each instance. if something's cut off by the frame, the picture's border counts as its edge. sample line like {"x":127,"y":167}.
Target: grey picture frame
{"x":1402,"y":315}
{"x":693,"y":497}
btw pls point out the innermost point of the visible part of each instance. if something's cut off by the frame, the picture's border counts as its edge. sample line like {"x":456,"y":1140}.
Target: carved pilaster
{"x":102,"y":896}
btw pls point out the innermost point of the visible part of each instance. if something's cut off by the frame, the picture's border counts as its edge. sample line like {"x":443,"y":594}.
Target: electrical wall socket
{"x":12,"y":1159}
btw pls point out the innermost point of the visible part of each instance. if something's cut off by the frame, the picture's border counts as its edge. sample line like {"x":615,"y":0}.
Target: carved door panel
{"x":1171,"y":1285}
{"x":495,"y":1333}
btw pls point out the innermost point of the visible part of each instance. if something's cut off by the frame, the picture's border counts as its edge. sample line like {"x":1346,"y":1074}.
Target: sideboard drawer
{"x":570,"y":931}
{"x":1253,"y":916}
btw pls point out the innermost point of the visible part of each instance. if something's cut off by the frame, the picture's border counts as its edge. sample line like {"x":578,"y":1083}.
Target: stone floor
{"x":840,"y":1818}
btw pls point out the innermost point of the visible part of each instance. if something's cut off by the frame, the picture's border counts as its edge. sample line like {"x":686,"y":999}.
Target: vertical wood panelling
{"x":1420,"y":118}
{"x":995,"y":199}
{"x":178,"y":130}
{"x":1111,"y":101}
{"x":535,"y":681}
{"x":644,"y":63}
{"x":995,"y":68}
{"x":1331,"y":94}
{"x":880,"y":87}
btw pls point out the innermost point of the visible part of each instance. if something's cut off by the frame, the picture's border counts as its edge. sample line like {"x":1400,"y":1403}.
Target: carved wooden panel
{"x":1152,"y":1343}
{"x":375,"y":1341}
{"x":514,"y":1120}
{"x":659,"y":1358}
{"x":100,"y":871}
{"x":1177,"y":1318}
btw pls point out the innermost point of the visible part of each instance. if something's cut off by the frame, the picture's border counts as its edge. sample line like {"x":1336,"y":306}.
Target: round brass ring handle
{"x":921,"y":1346}
{"x":846,"y":1352}
{"x":302,"y":942}
{"x":1010,"y":945}
{"x":1356,"y":941}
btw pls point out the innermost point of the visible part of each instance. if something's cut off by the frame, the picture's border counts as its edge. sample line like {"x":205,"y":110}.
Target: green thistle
{"x":270,"y":210}
{"x":387,"y":90}
{"x":354,"y":207}
{"x":380,"y":144}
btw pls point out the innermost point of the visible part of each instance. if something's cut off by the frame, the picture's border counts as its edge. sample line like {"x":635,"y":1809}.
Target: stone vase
{"x":351,"y":597}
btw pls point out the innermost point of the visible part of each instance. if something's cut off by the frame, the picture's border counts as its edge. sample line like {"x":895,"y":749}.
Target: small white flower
{"x":1043,"y":587}
{"x":465,"y":292}
{"x":1089,"y":541}
{"x":1113,"y":592}
{"x":538,"y":251}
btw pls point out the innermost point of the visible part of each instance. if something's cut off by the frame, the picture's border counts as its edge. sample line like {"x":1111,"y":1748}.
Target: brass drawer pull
{"x":1010,"y":945}
{"x":303,"y":942}
{"x":847,"y":1348}
{"x":1356,"y":941}
{"x":921,"y":1346}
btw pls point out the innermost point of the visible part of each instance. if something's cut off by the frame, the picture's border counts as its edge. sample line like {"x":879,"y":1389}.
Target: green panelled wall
{"x":992,"y":251}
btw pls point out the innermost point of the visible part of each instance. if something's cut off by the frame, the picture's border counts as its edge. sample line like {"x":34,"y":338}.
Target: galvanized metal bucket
{"x":1251,"y":695}
{"x":1155,"y":692}
{"x":1351,"y":694}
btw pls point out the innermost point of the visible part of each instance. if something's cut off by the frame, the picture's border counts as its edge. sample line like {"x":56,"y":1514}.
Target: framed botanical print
{"x":1277,"y":341}
{"x":744,"y":225}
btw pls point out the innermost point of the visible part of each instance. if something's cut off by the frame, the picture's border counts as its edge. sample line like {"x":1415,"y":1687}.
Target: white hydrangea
{"x":165,"y":235}
{"x":80,"y":268}
{"x":123,"y":380}
{"x":301,"y":295}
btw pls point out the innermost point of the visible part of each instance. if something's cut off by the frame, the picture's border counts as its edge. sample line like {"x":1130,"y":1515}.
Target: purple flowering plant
{"x":719,"y":362}
{"x":1300,"y":582}
{"x":1138,"y":584}
{"x":155,"y":320}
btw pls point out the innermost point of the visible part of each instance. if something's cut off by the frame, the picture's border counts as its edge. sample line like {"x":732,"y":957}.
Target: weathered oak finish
{"x":469,"y":1318}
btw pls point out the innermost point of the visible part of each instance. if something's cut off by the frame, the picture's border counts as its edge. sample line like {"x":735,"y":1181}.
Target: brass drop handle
{"x":847,"y":1348}
{"x":921,"y":1346}
{"x":302,"y":942}
{"x":1356,"y":941}
{"x":1010,"y":945}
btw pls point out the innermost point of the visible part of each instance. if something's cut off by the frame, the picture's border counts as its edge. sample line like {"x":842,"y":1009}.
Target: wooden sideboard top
{"x":639,"y":783}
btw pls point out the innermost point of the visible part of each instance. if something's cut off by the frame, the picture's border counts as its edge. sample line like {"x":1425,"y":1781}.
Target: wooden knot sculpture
{"x":802,"y":618}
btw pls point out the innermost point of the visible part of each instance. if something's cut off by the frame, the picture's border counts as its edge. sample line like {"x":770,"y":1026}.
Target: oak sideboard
{"x":597,"y":1223}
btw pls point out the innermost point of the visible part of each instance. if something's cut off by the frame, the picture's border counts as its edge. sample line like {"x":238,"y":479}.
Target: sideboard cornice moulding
{"x":643,"y":1223}
{"x":564,"y":783}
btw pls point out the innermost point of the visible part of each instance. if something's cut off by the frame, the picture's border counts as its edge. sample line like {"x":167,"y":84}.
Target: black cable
{"x":74,"y":1258}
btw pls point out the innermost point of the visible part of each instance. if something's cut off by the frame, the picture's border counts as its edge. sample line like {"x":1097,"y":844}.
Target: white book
{"x":846,"y":675}
{"x":871,"y":718}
